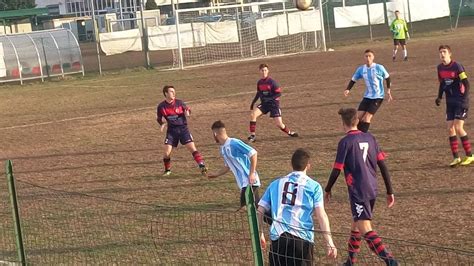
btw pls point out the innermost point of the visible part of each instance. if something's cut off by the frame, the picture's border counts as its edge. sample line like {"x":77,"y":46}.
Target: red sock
{"x":285,"y":129}
{"x":353,"y":247}
{"x":376,"y":245}
{"x":167,"y":163}
{"x":453,"y":141}
{"x":253,"y":127}
{"x":198,"y":158}
{"x":466,"y":145}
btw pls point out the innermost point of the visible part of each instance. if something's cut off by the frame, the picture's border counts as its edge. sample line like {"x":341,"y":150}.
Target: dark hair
{"x":444,"y":46}
{"x":349,"y":116}
{"x":217,"y":125}
{"x":165,"y":89}
{"x":300,"y":159}
{"x":261,"y":66}
{"x":396,"y":11}
{"x":369,"y":51}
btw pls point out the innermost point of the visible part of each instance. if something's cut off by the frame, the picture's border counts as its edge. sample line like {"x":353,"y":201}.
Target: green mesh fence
{"x":8,"y":252}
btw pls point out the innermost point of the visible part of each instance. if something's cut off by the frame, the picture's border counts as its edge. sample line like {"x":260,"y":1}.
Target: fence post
{"x":253,"y":224}
{"x":368,"y":19}
{"x":15,"y":212}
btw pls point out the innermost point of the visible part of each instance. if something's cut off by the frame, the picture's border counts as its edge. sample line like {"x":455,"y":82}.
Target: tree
{"x":16,"y":4}
{"x":150,"y":5}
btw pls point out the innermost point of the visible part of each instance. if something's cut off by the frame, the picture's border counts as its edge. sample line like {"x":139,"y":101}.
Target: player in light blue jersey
{"x":292,"y":200}
{"x":373,"y":74}
{"x":239,"y":158}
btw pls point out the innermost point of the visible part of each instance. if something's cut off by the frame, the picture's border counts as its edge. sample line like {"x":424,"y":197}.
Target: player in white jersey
{"x":239,"y":158}
{"x":292,"y":200}
{"x":373,"y":75}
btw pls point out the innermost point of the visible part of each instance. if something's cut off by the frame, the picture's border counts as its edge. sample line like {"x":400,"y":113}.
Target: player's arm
{"x":253,"y":168}
{"x":385,"y":174}
{"x":357,"y":75}
{"x":257,"y":95}
{"x":260,"y":212}
{"x":440,"y":90}
{"x":324,"y":226}
{"x":464,"y":81}
{"x":223,"y":171}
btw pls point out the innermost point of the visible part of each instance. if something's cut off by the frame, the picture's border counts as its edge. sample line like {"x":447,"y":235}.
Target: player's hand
{"x":327,"y":197}
{"x":331,"y":252}
{"x":252,"y":178}
{"x":263,"y":242}
{"x":390,"y":200}
{"x":390,"y":98}
{"x":438,"y":101}
{"x":162,"y":127}
{"x":346,"y":92}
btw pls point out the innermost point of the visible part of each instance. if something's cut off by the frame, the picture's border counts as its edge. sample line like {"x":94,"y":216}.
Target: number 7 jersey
{"x":358,"y":154}
{"x":292,"y":200}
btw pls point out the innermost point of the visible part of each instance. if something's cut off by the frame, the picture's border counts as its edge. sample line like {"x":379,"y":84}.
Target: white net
{"x":235,"y":33}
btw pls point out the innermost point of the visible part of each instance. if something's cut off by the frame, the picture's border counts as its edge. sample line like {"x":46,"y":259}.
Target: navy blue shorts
{"x":370,"y":105}
{"x":455,"y":112}
{"x":174,"y":135}
{"x":274,"y":109}
{"x":362,"y":210}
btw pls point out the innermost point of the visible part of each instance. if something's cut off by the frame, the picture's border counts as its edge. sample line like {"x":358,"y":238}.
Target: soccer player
{"x":292,"y":201}
{"x":400,"y":33}
{"x":453,"y":82}
{"x":373,"y":75}
{"x":175,"y":111}
{"x":239,"y":158}
{"x":358,"y":154}
{"x":269,"y":93}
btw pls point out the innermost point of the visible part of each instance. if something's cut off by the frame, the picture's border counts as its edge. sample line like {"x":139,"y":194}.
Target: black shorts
{"x":455,"y":112}
{"x":174,"y":135}
{"x":370,"y":105}
{"x":399,"y":41}
{"x":255,"y":195}
{"x":273,"y":108}
{"x":291,"y":250}
{"x":362,"y":210}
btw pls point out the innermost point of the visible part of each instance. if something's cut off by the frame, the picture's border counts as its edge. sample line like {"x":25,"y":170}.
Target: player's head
{"x":349,"y":117}
{"x":300,"y":160}
{"x":264,"y":69}
{"x":397,"y":14}
{"x":169,"y":92}
{"x":369,"y":56}
{"x":219,"y":132}
{"x":445,"y":53}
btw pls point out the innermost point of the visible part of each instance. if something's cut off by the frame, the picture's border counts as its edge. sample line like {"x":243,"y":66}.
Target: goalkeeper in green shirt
{"x":399,"y":30}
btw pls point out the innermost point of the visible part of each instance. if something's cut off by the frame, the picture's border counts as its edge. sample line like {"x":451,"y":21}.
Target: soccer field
{"x":98,"y":136}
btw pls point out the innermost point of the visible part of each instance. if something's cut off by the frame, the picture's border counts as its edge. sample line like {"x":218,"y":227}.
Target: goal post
{"x":237,"y":32}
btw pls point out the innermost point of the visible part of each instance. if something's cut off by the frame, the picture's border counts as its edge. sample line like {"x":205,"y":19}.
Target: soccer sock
{"x":363,"y":126}
{"x":466,"y":145}
{"x":198,"y":158}
{"x":405,"y":53}
{"x":453,"y":141}
{"x":285,"y":129}
{"x":353,"y":247}
{"x":376,"y":245}
{"x":253,"y":127}
{"x":167,"y":163}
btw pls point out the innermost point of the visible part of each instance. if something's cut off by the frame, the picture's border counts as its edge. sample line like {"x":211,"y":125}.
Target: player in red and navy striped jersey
{"x":269,"y":93}
{"x":453,"y":82}
{"x":174,"y":111}
{"x":358,"y":154}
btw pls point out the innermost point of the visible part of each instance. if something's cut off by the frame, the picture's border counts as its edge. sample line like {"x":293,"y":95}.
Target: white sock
{"x":405,"y":53}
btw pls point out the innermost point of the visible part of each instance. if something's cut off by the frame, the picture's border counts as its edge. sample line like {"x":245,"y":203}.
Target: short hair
{"x":217,"y":125}
{"x":348,"y":116}
{"x":444,"y":46}
{"x":369,"y":51}
{"x":261,"y":66}
{"x":165,"y":89}
{"x":300,"y":159}
{"x":396,"y":11}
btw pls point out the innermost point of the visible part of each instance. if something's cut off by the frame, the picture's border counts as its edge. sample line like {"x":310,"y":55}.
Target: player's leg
{"x":279,"y":123}
{"x":353,"y":245}
{"x":196,"y":156}
{"x":453,"y":139}
{"x":363,"y":217}
{"x":459,"y":127}
{"x":167,"y":158}
{"x":367,"y":110}
{"x":254,"y":114}
{"x":405,"y":52}
{"x":395,"y":49}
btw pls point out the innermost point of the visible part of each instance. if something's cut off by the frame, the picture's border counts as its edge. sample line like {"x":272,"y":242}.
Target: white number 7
{"x":364,"y":146}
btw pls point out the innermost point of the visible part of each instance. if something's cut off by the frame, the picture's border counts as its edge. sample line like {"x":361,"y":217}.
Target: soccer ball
{"x":302,"y":4}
